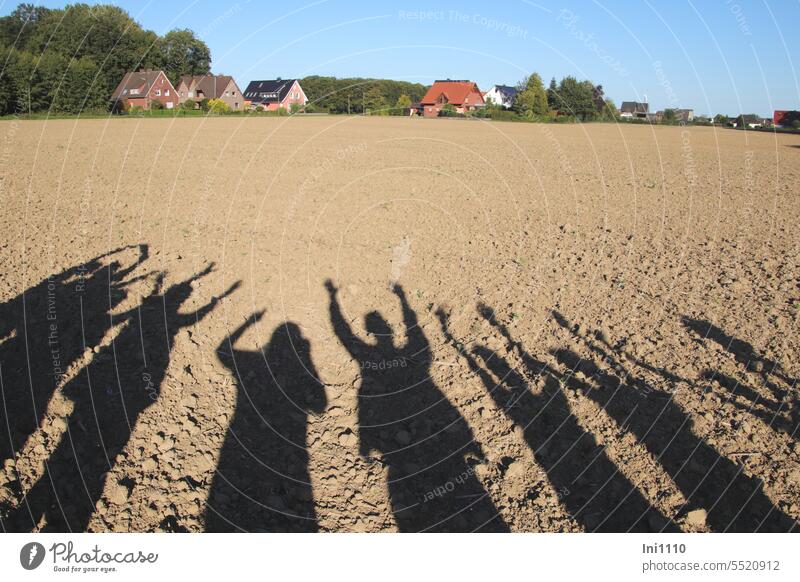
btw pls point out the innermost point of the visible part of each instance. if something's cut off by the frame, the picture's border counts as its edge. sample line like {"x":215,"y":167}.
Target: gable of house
{"x":448,"y":91}
{"x":270,"y":90}
{"x":501,"y":94}
{"x":136,"y":85}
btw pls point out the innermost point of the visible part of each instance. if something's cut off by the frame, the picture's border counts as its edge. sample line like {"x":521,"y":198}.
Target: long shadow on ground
{"x":262,"y":481}
{"x":420,"y":436}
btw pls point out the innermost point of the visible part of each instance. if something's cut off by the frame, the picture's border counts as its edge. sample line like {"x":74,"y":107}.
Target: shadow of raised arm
{"x":415,"y":337}
{"x":352,"y":343}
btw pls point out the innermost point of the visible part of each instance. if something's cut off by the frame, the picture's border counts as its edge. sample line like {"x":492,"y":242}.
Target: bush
{"x":156,"y":105}
{"x":295,"y":108}
{"x":504,"y":115}
{"x":218,"y":107}
{"x":204,"y":104}
{"x":189,"y":104}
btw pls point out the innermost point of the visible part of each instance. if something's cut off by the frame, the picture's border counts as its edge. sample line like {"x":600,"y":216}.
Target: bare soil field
{"x":389,"y":324}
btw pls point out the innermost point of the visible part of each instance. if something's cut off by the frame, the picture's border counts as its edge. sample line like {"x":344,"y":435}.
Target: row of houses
{"x":780,"y":118}
{"x":637,"y":110}
{"x":143,"y":87}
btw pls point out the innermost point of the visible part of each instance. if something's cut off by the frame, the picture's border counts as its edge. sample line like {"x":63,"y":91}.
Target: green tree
{"x":71,"y":59}
{"x":374,"y":101}
{"x":403,"y":102}
{"x":531,"y":99}
{"x":669,"y":115}
{"x":610,"y":111}
{"x":182,"y":53}
{"x":552,"y":94}
{"x":577,"y":98}
{"x":720,"y":119}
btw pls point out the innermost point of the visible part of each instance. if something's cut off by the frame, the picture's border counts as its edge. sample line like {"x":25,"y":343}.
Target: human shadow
{"x":426,"y":445}
{"x":262,"y":482}
{"x":587,"y":482}
{"x":781,"y":409}
{"x":45,"y":330}
{"x":708,"y":480}
{"x":109,"y":395}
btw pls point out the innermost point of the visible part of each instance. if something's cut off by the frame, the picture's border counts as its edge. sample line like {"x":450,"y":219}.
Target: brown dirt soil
{"x":595,"y":327}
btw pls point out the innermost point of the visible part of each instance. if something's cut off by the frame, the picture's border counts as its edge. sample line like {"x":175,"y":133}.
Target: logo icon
{"x":31,"y":555}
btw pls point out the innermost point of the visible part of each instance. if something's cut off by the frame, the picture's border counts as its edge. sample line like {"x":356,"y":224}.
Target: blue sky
{"x":726,"y":56}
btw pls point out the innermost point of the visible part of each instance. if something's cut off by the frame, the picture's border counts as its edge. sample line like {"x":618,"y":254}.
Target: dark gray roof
{"x":634,"y":107}
{"x":268,"y":91}
{"x":750,"y":118}
{"x":506,"y":90}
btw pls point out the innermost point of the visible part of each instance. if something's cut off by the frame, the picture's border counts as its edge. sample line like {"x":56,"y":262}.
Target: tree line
{"x":70,"y":60}
{"x":358,"y":95}
{"x":569,"y":99}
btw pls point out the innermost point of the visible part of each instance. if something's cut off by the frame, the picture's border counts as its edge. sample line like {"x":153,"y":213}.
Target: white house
{"x":502,"y":95}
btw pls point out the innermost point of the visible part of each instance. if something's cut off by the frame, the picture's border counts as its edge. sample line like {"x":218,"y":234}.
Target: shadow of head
{"x":378,"y":327}
{"x":289,"y":338}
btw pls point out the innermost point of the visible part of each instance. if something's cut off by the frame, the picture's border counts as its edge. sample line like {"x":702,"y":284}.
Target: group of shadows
{"x":406,"y":423}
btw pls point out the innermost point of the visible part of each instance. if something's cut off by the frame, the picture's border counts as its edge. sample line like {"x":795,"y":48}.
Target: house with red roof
{"x":463,"y":95}
{"x":140,"y":89}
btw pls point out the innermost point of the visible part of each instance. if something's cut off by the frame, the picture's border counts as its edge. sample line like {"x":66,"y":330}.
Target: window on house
{"x":166,"y":93}
{"x":158,"y":92}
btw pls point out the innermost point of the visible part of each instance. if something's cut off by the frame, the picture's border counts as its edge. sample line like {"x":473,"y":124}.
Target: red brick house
{"x":140,"y":88}
{"x":275,"y":94}
{"x":463,"y":95}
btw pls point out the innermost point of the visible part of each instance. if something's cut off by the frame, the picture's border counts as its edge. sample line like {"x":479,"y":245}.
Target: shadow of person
{"x":45,"y":330}
{"x":781,"y":410}
{"x":733,"y":500}
{"x":782,"y":416}
{"x":422,"y":438}
{"x":262,"y":483}
{"x":109,"y":394}
{"x":586,"y":481}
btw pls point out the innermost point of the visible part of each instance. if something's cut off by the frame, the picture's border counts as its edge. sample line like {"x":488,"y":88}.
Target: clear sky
{"x":720,"y":56}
